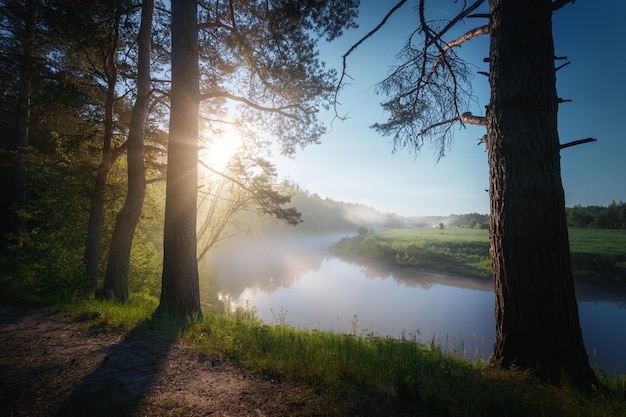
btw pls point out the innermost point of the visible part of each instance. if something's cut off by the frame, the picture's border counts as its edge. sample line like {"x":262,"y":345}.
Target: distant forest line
{"x":320,"y":215}
{"x":612,"y":216}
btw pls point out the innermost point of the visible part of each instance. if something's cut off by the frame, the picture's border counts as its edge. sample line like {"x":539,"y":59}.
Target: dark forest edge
{"x":597,"y":254}
{"x":612,"y":216}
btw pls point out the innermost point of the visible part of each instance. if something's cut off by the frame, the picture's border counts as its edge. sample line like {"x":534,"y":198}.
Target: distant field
{"x":449,"y":234}
{"x":597,"y":254}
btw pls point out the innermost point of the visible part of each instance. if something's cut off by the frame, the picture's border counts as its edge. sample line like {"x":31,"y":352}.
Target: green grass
{"x":598,"y":255}
{"x":107,"y":316}
{"x":362,"y":374}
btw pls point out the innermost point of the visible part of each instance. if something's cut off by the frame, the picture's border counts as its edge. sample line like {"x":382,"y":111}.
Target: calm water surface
{"x":300,"y":282}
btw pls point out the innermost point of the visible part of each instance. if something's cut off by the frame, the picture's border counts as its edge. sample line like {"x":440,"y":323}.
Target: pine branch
{"x":280,"y":110}
{"x":465,"y":13}
{"x":577,"y":142}
{"x":356,"y":45}
{"x":469,"y":118}
{"x":438,"y":124}
{"x":482,"y":30}
{"x":561,"y":66}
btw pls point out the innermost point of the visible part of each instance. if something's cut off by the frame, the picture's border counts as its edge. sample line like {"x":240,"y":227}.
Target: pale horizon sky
{"x":355,"y":164}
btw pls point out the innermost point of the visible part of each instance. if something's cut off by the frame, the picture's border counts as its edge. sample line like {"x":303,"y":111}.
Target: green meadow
{"x":598,"y":255}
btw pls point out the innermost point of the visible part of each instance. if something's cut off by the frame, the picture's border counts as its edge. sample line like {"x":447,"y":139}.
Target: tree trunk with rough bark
{"x":180,"y":293}
{"x":98,"y":195}
{"x":537,"y":323}
{"x":118,"y":261}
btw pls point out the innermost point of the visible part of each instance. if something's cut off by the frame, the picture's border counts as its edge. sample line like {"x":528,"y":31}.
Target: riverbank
{"x":97,"y":358}
{"x":598,"y":255}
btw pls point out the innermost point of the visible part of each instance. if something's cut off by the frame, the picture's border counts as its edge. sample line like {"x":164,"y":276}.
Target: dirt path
{"x":52,"y":365}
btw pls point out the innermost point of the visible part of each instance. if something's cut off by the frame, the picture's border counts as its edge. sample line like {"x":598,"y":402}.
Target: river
{"x":297,"y":281}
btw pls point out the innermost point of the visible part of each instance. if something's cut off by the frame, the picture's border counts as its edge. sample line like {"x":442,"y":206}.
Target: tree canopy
{"x":80,"y":60}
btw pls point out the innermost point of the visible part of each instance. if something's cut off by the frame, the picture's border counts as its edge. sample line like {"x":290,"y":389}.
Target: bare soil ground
{"x":53,"y":365}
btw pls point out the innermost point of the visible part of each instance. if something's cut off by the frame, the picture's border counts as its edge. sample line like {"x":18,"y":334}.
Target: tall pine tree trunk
{"x":98,"y":194}
{"x":537,"y":324}
{"x":118,"y":262}
{"x":180,"y":294}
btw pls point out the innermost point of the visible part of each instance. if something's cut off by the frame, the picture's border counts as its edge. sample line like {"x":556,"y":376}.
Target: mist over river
{"x":297,"y":280}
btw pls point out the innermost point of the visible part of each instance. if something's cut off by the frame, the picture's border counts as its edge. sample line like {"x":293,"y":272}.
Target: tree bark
{"x":98,"y":195}
{"x":180,"y":294}
{"x":537,"y":323}
{"x":118,"y":261}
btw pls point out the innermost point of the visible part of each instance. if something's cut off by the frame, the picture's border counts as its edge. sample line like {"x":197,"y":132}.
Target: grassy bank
{"x":361,"y":374}
{"x":598,"y":255}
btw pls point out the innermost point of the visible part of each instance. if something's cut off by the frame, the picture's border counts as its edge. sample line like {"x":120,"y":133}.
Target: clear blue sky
{"x":355,"y":164}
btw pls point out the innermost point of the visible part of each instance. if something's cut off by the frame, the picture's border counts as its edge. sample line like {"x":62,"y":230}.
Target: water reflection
{"x":268,"y":264}
{"x":603,"y":324}
{"x":299,"y":280}
{"x":336,"y":297}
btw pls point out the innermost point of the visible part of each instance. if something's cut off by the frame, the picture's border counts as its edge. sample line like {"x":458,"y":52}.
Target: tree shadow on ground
{"x":120,"y":383}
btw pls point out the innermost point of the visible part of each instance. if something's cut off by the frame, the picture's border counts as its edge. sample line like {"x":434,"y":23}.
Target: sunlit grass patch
{"x":112,"y":315}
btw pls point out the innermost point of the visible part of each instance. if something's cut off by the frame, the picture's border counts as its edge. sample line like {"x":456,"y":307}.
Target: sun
{"x":217,"y":149}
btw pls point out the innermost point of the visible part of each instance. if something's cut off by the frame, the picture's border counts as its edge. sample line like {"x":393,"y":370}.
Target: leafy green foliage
{"x":611,"y":217}
{"x":47,"y":256}
{"x":471,"y":220}
{"x":145,"y":266}
{"x":46,"y":259}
